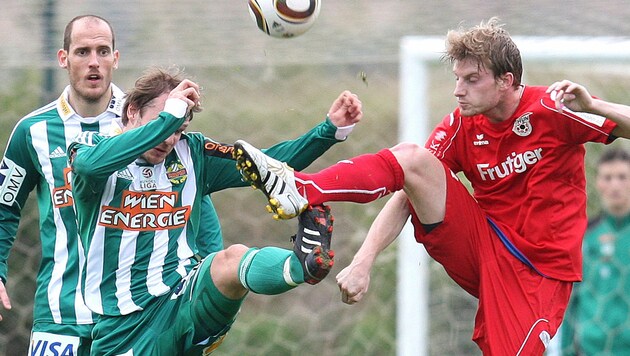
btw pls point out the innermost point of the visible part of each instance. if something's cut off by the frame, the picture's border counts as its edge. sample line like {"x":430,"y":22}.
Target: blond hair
{"x":490,"y":45}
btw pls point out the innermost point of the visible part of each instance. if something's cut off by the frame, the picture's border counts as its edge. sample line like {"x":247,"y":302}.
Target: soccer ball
{"x":284,"y":18}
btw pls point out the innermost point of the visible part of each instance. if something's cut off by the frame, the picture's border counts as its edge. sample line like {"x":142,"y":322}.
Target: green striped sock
{"x":270,"y":270}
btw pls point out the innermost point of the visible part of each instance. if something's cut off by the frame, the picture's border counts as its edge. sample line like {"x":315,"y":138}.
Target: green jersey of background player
{"x":35,"y":157}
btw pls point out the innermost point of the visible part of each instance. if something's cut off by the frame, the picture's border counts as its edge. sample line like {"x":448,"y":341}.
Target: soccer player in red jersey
{"x":515,"y":243}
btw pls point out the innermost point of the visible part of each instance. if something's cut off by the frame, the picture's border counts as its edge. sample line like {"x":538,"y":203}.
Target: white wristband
{"x":176,"y":107}
{"x":343,"y":132}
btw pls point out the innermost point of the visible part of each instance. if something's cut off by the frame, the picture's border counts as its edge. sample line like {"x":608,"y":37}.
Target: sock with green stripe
{"x":270,"y":270}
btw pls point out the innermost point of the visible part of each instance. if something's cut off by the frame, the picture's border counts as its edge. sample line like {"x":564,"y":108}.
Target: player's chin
{"x":94,"y":92}
{"x":467,"y":110}
{"x":154,"y":156}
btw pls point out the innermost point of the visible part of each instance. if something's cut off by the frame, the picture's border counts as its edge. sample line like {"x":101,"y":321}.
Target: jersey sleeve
{"x":18,"y":177}
{"x":95,"y":157}
{"x":298,"y":153}
{"x":579,"y":127}
{"x":442,"y":141}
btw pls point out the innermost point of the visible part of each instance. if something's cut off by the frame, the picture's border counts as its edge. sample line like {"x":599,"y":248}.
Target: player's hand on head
{"x":570,"y":95}
{"x":346,"y":110}
{"x":353,"y":283}
{"x":189,"y":92}
{"x":4,"y":298}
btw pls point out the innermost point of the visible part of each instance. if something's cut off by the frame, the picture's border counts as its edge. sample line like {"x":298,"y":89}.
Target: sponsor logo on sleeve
{"x":437,"y":141}
{"x":11,"y":179}
{"x":217,"y":149}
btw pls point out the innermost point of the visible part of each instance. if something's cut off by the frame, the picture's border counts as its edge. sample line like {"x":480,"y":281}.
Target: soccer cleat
{"x":274,"y":178}
{"x":311,"y":244}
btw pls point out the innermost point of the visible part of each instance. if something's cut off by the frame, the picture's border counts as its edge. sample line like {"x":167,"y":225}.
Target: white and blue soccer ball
{"x":284,"y":18}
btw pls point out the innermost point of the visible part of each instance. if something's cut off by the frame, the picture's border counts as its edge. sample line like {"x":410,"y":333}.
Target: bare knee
{"x":235,"y":251}
{"x":415,"y":159}
{"x":425,"y":181}
{"x":231,"y":256}
{"x":224,"y":271}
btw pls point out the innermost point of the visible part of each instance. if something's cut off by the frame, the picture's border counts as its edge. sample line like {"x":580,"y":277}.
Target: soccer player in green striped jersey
{"x":35,"y":158}
{"x":138,"y":200}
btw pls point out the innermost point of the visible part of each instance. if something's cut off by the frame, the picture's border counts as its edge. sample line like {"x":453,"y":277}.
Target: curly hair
{"x":490,"y":45}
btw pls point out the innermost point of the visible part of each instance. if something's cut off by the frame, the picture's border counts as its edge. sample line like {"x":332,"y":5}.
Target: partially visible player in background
{"x":35,"y":158}
{"x":138,"y":199}
{"x":599,"y":311}
{"x":515,"y":244}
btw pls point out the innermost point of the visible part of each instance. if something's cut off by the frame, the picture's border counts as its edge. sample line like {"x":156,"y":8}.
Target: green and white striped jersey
{"x":138,"y":221}
{"x":35,"y":157}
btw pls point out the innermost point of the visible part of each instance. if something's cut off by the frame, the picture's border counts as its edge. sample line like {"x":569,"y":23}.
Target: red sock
{"x":360,"y":180}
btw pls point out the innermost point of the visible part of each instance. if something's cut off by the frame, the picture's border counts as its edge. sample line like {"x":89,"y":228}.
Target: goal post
{"x":417,"y":54}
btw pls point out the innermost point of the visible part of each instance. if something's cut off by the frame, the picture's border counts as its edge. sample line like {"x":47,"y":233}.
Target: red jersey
{"x":527,"y":174}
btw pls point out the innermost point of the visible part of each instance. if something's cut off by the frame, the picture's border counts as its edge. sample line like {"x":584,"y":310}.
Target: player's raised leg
{"x":361,"y":179}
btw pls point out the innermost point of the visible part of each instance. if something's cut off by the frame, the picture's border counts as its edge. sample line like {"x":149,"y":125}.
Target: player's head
{"x":67,"y":33}
{"x":613,"y":181}
{"x":89,"y":56}
{"x":146,"y":100}
{"x":489,"y":45}
{"x":487,"y":65}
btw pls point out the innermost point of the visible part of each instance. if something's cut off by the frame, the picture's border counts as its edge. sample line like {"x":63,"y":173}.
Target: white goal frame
{"x":416,"y":55}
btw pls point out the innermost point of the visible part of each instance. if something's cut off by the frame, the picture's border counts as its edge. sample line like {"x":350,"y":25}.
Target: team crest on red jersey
{"x":522,"y":126}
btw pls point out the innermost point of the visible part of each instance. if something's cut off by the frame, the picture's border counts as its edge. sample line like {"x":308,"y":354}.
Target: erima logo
{"x":11,"y":179}
{"x":514,"y":163}
{"x":480,"y":141}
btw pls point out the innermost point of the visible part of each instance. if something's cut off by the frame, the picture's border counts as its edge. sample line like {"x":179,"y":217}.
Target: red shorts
{"x":519,"y":309}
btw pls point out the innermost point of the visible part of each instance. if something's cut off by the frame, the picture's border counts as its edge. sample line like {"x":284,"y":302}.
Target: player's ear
{"x":116,"y":57}
{"x":133,"y":115}
{"x":62,"y":58}
{"x":506,"y":80}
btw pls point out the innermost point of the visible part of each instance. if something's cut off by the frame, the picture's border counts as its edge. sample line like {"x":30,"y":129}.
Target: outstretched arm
{"x":577,"y":98}
{"x":4,"y":298}
{"x":354,"y":280}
